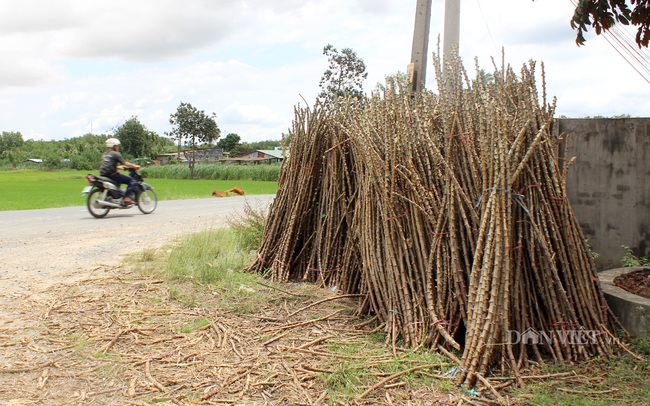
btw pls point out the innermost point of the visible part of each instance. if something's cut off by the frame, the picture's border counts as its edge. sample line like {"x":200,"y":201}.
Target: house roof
{"x":273,"y":152}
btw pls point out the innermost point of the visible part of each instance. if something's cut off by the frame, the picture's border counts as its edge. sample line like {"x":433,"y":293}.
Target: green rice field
{"x":35,"y":189}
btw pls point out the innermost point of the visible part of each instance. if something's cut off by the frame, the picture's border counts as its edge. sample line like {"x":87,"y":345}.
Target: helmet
{"x":111,"y":142}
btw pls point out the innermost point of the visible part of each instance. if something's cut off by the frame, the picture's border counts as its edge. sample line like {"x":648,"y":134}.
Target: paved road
{"x":40,"y":247}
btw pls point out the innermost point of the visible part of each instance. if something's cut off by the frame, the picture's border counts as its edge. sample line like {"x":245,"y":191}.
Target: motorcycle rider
{"x":112,"y":160}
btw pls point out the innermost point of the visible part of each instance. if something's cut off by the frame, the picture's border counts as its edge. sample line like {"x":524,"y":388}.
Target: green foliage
{"x":82,"y":153}
{"x":175,"y":189}
{"x":602,"y":15}
{"x":614,"y":116}
{"x":209,"y":265}
{"x":193,"y":126}
{"x":631,"y":260}
{"x":10,"y":143}
{"x":24,"y":189}
{"x":595,"y":255}
{"x":345,"y":75}
{"x":216,"y":259}
{"x":198,"y":324}
{"x":625,"y":382}
{"x":242,"y":149}
{"x":85,"y":152}
{"x":31,"y":189}
{"x":393,"y":83}
{"x":229,"y":142}
{"x":10,"y":140}
{"x":138,"y":142}
{"x":219,"y":171}
{"x":267,"y":144}
{"x":641,"y":345}
{"x":249,"y":226}
{"x":210,"y":257}
{"x":483,"y":79}
{"x":53,"y":161}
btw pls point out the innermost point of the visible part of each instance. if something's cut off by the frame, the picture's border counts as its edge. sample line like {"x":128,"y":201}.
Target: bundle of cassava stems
{"x":449,"y":212}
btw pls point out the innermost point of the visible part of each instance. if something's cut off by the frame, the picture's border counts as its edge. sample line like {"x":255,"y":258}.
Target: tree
{"x":193,"y":125}
{"x":345,"y":75}
{"x":483,"y":79}
{"x":85,"y":152}
{"x":10,"y":142}
{"x":604,"y":14}
{"x":229,"y":142}
{"x":136,"y":141}
{"x":393,"y":83}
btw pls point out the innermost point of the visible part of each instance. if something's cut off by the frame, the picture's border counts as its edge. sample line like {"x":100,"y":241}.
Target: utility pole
{"x":417,"y":69}
{"x":452,"y":33}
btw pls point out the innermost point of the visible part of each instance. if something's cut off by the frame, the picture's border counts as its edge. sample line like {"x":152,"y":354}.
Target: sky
{"x":71,"y":67}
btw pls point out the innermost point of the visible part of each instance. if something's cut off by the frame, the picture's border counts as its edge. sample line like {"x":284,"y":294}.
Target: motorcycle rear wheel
{"x":96,"y":209}
{"x":147,"y":201}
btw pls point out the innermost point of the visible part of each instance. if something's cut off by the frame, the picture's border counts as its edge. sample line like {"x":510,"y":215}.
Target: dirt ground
{"x":114,"y":337}
{"x":79,"y":327}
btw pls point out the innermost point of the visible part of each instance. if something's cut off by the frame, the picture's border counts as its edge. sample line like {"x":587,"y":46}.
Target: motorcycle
{"x":104,"y":195}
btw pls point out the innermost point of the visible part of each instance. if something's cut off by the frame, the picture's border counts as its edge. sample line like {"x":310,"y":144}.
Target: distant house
{"x":205,"y":154}
{"x":199,"y":154}
{"x":261,"y":156}
{"x":165,"y":159}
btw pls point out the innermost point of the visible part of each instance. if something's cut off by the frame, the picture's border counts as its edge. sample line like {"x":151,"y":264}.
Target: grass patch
{"x":198,"y":324}
{"x":29,"y":189}
{"x":209,"y":257}
{"x":79,"y":341}
{"x":368,"y":360}
{"x":217,"y":257}
{"x":599,"y":382}
{"x":33,"y":189}
{"x":217,"y":171}
{"x":642,"y":345}
{"x":212,"y":262}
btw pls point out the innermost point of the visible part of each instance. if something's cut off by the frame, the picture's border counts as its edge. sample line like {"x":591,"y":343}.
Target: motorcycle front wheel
{"x":147,"y":201}
{"x":95,"y":208}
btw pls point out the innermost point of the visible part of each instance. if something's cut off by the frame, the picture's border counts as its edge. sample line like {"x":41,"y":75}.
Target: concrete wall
{"x":609,"y":184}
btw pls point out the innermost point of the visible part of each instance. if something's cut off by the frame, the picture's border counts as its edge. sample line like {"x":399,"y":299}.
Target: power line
{"x":618,"y":38}
{"x":640,"y":56}
{"x":638,"y":59}
{"x":642,"y":69}
{"x":478,"y":3}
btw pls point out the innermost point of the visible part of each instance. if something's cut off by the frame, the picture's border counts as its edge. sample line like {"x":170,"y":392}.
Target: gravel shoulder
{"x":42,"y":248}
